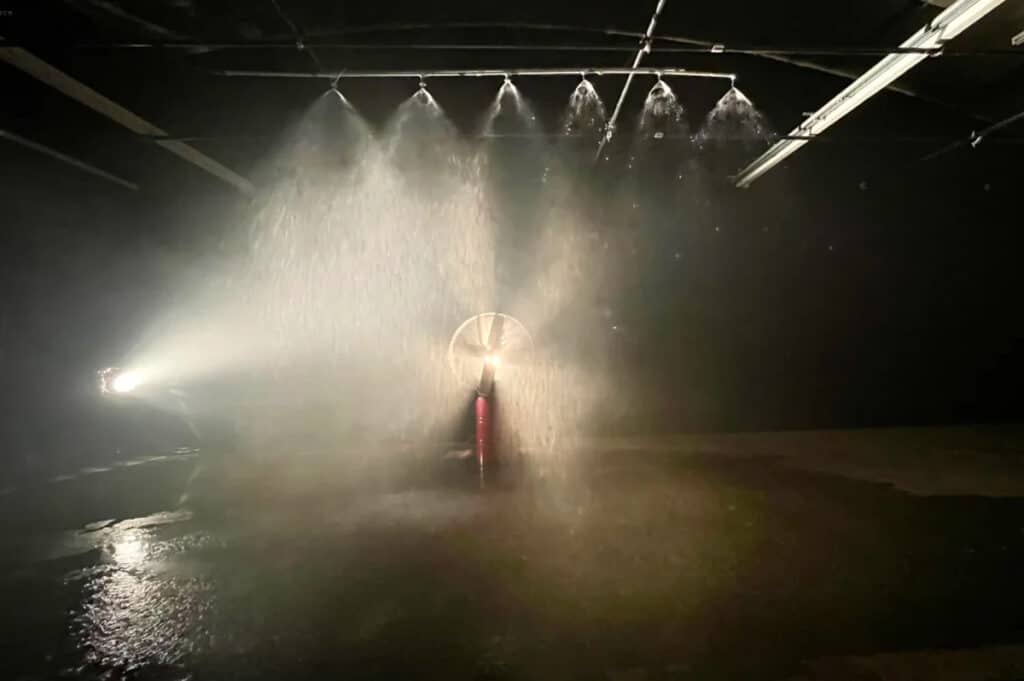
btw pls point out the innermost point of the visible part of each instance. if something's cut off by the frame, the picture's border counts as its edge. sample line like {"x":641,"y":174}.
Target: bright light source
{"x":120,"y":381}
{"x":946,"y":26}
{"x":493,"y":360}
{"x":126,"y":381}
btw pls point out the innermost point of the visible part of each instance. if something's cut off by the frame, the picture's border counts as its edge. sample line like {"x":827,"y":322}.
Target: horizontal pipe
{"x":828,"y":139}
{"x":485,"y":73}
{"x":710,"y":48}
{"x":313,"y":36}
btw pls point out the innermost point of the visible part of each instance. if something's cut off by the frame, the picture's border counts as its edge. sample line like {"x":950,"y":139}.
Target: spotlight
{"x":120,"y":381}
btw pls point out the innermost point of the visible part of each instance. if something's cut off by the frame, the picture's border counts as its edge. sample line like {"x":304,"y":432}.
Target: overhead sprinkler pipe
{"x":486,"y":73}
{"x":645,"y":48}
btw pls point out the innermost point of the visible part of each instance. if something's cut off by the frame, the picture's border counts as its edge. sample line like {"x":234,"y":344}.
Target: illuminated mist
{"x":326,"y":323}
{"x":323,"y":323}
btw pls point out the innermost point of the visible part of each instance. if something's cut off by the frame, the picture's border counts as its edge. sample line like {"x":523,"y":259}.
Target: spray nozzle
{"x":423,"y":83}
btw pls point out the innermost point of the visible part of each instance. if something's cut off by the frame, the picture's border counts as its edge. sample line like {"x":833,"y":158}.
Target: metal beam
{"x":484,"y":73}
{"x":65,"y":158}
{"x":976,"y":138}
{"x":57,"y":79}
{"x":645,"y":48}
{"x":947,"y":25}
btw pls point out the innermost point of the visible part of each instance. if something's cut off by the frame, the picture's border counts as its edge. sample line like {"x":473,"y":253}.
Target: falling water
{"x":541,"y":250}
{"x":659,"y":152}
{"x":735,"y":119}
{"x":662,"y":116}
{"x":331,"y":308}
{"x":356,"y":262}
{"x":732,"y":133}
{"x":585,"y":115}
{"x":510,"y":114}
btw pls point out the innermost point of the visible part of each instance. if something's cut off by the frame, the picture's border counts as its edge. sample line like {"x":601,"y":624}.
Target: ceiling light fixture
{"x":944,"y":27}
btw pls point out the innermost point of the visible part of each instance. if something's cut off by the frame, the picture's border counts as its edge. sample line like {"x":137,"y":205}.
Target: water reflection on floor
{"x":673,"y":567}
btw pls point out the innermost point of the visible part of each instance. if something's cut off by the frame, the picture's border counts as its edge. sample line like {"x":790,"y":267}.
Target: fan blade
{"x":497,"y":332}
{"x":467,"y":348}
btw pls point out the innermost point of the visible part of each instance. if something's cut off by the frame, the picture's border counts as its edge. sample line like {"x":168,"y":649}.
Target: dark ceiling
{"x":977,"y":82}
